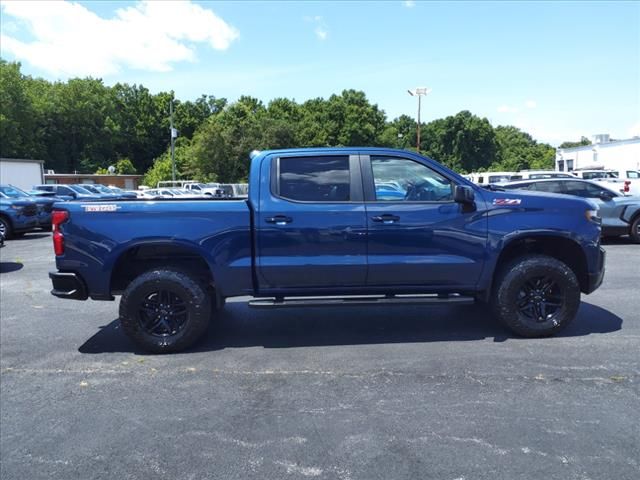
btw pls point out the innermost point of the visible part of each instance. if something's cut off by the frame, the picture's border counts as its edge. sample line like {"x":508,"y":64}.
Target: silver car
{"x":620,"y":214}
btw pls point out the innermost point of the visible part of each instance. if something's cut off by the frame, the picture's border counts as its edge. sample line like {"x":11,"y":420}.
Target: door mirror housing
{"x":463,"y":194}
{"x":604,"y":195}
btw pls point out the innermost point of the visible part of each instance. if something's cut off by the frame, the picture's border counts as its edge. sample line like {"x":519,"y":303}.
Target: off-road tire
{"x":194,"y":296}
{"x":634,"y":231}
{"x":513,"y":279}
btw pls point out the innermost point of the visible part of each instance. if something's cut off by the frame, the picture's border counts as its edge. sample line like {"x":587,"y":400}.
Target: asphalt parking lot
{"x":368,"y":393}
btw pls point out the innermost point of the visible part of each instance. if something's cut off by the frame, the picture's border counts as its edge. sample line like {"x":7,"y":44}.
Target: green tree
{"x":18,"y":117}
{"x":125,"y":167}
{"x":463,"y":142}
{"x":583,"y":142}
{"x":519,"y":151}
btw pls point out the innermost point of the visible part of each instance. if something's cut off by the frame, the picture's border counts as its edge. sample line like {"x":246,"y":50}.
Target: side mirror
{"x":604,"y":195}
{"x":463,"y":194}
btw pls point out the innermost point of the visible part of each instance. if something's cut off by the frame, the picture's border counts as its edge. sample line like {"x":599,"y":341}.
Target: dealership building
{"x":602,"y":153}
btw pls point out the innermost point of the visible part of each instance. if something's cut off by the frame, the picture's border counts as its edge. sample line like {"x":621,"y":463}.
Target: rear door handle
{"x":279,"y":220}
{"x":386,"y":218}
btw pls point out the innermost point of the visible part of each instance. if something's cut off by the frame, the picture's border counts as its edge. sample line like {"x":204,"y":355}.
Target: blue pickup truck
{"x":316,"y":230}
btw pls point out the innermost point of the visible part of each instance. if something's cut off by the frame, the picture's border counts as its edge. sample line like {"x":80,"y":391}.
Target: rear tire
{"x":536,"y":296}
{"x":634,"y":231}
{"x":165,"y":311}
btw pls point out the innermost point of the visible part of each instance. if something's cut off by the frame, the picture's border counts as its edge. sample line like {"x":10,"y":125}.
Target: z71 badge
{"x":506,"y":201}
{"x":100,"y":208}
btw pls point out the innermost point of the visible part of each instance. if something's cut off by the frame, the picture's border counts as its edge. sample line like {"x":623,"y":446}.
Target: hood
{"x":536,"y":200}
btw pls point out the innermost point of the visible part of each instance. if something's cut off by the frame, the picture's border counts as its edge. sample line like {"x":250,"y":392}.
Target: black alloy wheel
{"x":540,"y":299}
{"x":162,"y":313}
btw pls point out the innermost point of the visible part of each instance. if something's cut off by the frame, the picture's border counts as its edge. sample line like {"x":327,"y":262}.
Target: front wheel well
{"x":564,"y":249}
{"x":140,"y":259}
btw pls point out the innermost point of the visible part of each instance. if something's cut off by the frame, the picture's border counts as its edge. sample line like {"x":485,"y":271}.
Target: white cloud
{"x":530,"y":104}
{"x":70,"y":40}
{"x":321,"y":29}
{"x":409,"y":3}
{"x":321,"y":33}
{"x":507,"y":109}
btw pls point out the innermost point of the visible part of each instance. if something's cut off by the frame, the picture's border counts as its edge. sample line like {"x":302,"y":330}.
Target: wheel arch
{"x":560,"y":247}
{"x":139,"y":257}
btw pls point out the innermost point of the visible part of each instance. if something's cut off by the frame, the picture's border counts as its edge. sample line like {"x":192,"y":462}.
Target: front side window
{"x":583,"y":189}
{"x":314,"y":179}
{"x":401,"y":179}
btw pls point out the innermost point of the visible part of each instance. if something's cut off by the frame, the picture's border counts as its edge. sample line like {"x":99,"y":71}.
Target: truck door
{"x":417,"y":235}
{"x":311,"y":223}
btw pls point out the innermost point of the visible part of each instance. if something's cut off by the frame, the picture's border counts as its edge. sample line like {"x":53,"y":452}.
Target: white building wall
{"x":623,"y":155}
{"x":20,"y":173}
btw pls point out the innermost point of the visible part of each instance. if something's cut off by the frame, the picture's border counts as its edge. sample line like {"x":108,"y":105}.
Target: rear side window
{"x":553,"y":187}
{"x":633,"y":174}
{"x":314,"y":179}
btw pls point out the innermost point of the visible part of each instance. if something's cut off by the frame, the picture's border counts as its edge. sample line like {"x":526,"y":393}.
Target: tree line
{"x":85,"y":126}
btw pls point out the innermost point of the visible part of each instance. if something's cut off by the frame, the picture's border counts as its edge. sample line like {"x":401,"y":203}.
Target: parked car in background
{"x":626,"y":181}
{"x":487,"y":178}
{"x":92,"y":188}
{"x":539,"y":174}
{"x":68,"y":192}
{"x":620,"y":214}
{"x":18,"y":213}
{"x":45,"y":205}
{"x":116,"y":194}
{"x":121,"y":192}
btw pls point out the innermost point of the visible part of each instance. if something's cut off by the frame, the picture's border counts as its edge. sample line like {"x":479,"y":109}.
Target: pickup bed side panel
{"x":219,"y":231}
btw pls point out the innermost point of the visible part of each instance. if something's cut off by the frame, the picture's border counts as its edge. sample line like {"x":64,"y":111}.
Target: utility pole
{"x":419,"y":92}
{"x":173,"y":137}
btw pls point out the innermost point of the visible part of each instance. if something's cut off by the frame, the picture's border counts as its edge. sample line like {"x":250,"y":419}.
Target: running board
{"x":360,"y":301}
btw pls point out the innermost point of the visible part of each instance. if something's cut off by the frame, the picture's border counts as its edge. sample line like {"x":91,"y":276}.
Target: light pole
{"x":419,"y":92}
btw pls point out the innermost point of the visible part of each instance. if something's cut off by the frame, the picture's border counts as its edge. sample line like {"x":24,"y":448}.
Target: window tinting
{"x":553,"y":187}
{"x":401,"y":179}
{"x":582,"y":189}
{"x":315,"y":179}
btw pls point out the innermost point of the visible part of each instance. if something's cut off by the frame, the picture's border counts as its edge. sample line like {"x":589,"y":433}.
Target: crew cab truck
{"x":315,"y":230}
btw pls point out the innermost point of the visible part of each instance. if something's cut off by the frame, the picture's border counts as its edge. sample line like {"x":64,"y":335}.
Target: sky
{"x":558,"y":70}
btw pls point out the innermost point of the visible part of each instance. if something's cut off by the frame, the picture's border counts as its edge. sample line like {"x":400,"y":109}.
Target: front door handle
{"x":386,"y":218}
{"x":279,"y":220}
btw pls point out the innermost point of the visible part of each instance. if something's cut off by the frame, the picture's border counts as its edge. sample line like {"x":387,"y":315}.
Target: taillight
{"x":627,"y":184}
{"x":58,"y":217}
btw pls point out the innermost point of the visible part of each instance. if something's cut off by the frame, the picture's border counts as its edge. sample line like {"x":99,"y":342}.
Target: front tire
{"x":5,"y":228}
{"x":165,"y":311}
{"x":536,"y":296}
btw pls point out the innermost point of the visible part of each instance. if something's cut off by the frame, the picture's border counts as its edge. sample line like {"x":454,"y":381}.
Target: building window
{"x":561,"y":165}
{"x":569,"y":165}
{"x":50,"y":181}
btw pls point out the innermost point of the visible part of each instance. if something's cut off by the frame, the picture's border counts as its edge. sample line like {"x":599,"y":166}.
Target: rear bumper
{"x":595,"y":278}
{"x":68,"y":285}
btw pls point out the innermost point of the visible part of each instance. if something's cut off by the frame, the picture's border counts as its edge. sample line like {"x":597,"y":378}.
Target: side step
{"x":430,"y":299}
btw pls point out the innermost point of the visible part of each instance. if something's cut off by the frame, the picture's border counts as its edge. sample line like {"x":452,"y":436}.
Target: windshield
{"x":13,"y":192}
{"x":79,"y":189}
{"x":102,"y":188}
{"x":593,"y":175}
{"x":499,"y":178}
